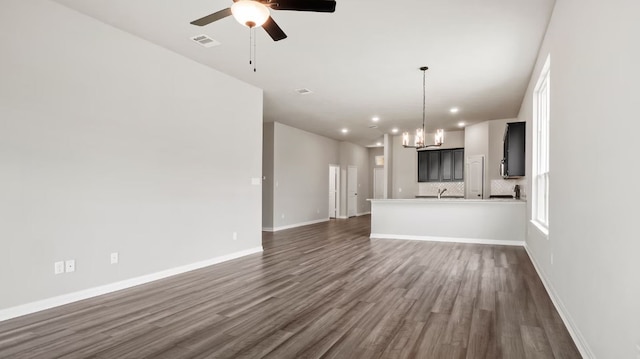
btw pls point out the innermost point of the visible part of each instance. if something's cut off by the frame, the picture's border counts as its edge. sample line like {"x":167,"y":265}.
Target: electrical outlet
{"x":399,"y":189}
{"x":318,"y":211}
{"x":235,"y":236}
{"x":115,"y":258}
{"x":282,"y":216}
{"x":58,"y":267}
{"x":70,"y":266}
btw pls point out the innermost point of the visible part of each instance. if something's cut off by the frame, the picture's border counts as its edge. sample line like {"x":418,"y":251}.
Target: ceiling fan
{"x":255,"y":13}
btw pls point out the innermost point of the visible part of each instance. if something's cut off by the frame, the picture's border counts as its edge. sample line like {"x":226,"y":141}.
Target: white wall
{"x":373,"y":152}
{"x":356,"y":155}
{"x":301,"y":162}
{"x":404,"y":174}
{"x":301,"y":175}
{"x":268,"y":174}
{"x":109,"y":143}
{"x":476,"y":142}
{"x":593,"y":234}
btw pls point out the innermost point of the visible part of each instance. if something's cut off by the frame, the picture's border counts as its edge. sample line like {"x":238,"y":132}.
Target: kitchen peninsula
{"x":492,"y":221}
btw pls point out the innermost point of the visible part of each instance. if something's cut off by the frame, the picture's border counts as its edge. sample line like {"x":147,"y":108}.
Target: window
{"x":540,"y":160}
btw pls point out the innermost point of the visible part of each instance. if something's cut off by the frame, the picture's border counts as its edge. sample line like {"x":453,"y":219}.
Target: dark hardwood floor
{"x":320,"y":291}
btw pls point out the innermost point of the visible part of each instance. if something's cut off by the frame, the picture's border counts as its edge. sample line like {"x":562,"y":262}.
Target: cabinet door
{"x":446,"y":165}
{"x":433,"y":166}
{"x":423,"y":167}
{"x":515,"y":148}
{"x":458,"y":165}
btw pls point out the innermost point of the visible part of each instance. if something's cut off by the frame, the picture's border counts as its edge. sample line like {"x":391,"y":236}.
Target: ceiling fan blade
{"x":213,"y":17}
{"x":273,"y":30}
{"x":304,"y":5}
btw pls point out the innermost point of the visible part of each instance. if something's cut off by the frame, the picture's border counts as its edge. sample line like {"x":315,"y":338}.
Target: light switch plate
{"x":70,"y":266}
{"x":58,"y":267}
{"x":255,"y":181}
{"x":115,"y":258}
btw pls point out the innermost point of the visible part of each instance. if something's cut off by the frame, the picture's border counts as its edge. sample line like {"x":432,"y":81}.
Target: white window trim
{"x":541,"y":159}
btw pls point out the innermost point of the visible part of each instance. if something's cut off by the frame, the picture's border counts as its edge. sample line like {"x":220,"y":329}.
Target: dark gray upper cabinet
{"x":458,"y":164}
{"x":446,"y":157}
{"x":441,"y":165}
{"x":514,"y":150}
{"x":433,"y":166}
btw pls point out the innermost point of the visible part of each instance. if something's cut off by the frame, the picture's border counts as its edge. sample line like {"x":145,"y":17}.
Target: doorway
{"x":334,"y":186}
{"x":352,"y":191}
{"x":475,"y":177}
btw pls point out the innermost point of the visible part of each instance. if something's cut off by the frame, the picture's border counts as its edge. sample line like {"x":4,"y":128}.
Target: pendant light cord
{"x":424,"y":99}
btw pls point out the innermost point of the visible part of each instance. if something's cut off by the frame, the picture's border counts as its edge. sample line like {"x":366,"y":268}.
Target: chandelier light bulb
{"x":439,"y":137}
{"x":405,"y":138}
{"x":419,"y":142}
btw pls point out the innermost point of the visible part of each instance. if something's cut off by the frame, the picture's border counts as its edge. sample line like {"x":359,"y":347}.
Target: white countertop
{"x":447,"y":200}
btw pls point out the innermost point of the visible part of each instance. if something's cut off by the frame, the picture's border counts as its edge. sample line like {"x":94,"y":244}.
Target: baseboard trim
{"x":295,"y":225}
{"x":57,"y":301}
{"x":447,"y":239}
{"x":363,"y":214}
{"x":575,"y":334}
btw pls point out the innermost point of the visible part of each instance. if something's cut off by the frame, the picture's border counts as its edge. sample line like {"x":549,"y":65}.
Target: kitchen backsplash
{"x":505,"y":187}
{"x":431,"y":188}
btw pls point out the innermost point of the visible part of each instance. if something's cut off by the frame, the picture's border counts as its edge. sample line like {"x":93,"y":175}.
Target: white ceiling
{"x":361,"y":61}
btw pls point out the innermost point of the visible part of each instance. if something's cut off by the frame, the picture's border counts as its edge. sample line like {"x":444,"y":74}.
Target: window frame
{"x":540,"y":157}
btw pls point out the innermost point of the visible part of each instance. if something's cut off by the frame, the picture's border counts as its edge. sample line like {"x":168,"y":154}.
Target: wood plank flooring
{"x":319,"y":291}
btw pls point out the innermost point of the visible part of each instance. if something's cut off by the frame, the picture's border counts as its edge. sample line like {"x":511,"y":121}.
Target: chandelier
{"x":418,"y":142}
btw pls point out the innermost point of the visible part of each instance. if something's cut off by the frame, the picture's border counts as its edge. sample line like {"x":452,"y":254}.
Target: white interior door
{"x":378,"y":182}
{"x":475,"y":177}
{"x":334,"y":172}
{"x":352,"y":191}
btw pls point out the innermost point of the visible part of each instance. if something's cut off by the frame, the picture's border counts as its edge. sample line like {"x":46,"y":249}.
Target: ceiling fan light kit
{"x":419,"y":141}
{"x":250,"y":13}
{"x":256,"y":13}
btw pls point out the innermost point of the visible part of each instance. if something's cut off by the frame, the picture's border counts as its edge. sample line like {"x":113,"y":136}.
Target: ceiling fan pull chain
{"x":250,"y":48}
{"x":254,"y":50}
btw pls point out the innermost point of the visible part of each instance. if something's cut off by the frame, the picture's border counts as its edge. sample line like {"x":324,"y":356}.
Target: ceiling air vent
{"x":205,"y":40}
{"x":303,"y":91}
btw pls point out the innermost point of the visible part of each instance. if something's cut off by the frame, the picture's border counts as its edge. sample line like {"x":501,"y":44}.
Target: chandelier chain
{"x":424,"y":98}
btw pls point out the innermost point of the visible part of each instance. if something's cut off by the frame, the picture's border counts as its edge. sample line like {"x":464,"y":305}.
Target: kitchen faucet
{"x":440,"y":192}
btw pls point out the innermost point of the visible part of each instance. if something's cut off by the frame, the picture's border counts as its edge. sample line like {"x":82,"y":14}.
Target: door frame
{"x":349,"y":169}
{"x":337,"y":194}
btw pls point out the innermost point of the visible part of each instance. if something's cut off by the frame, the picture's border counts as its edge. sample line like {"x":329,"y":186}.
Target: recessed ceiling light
{"x":454,"y":110}
{"x":461,"y":124}
{"x":303,"y":91}
{"x":379,"y":144}
{"x":344,"y":130}
{"x":394,"y":130}
{"x":375,"y":119}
